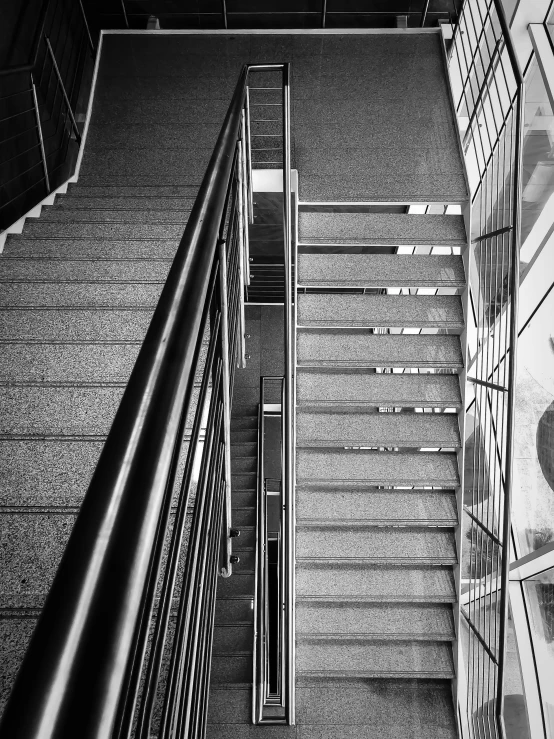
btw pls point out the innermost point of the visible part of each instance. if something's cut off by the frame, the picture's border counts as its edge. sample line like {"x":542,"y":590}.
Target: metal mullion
{"x":159,"y":637}
{"x":185,"y":706}
{"x":182,"y":626}
{"x":488,"y":74}
{"x":498,"y":49}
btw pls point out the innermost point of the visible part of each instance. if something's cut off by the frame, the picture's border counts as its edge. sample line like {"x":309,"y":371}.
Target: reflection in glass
{"x":533,"y":497}
{"x":538,"y":152}
{"x":539,"y":593}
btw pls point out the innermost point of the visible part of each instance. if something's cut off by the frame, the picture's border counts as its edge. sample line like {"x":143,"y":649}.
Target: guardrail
{"x":39,"y":133}
{"x":488,"y":93}
{"x":127,"y":626}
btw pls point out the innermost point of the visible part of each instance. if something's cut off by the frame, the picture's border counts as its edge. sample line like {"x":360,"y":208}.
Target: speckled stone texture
{"x":400,"y":311}
{"x":374,"y":505}
{"x":380,"y":270}
{"x":351,"y":348}
{"x":375,"y":544}
{"x":357,"y":388}
{"x":374,"y":658}
{"x":394,"y":620}
{"x":366,"y":467}
{"x":339,"y":429}
{"x":374,"y":583}
{"x":380,"y":228}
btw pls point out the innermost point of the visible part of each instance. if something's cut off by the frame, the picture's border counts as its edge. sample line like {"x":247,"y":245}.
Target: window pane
{"x":533,"y":501}
{"x":539,"y":593}
{"x":538,"y":162}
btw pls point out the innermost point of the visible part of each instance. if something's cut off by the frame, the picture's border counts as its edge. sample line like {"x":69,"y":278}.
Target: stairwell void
{"x":379,"y":317}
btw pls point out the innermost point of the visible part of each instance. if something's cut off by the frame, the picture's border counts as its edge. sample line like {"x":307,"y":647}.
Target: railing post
{"x":424,"y":13}
{"x":124,"y":11}
{"x":40,"y":136}
{"x":87,"y":28}
{"x":242,"y":256}
{"x":224,"y":12}
{"x":64,"y":93}
{"x":246,"y":196}
{"x":226,"y":567}
{"x":324,"y":14}
{"x":249,"y":160}
{"x":288,"y":409}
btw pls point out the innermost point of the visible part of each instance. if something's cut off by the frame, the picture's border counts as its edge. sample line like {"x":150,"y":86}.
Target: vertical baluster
{"x":40,"y":136}
{"x":64,"y":93}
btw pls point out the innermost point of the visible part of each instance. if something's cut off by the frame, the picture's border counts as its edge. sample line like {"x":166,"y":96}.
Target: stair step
{"x":356,"y":348}
{"x":229,"y":707}
{"x":244,"y":449}
{"x":67,"y":363}
{"x":118,"y":215}
{"x":380,"y":228}
{"x":231,"y":670}
{"x":100,"y":325}
{"x":354,"y":582}
{"x":317,"y":428}
{"x":237,"y":586}
{"x":396,"y":507}
{"x":368,"y":468}
{"x":243,"y":498}
{"x":380,"y":270}
{"x":376,"y":543}
{"x":80,"y":294}
{"x":146,"y":203}
{"x":342,"y":310}
{"x":243,"y":423}
{"x":421,"y":621}
{"x":387,"y":709}
{"x":242,"y":465}
{"x":374,"y":658}
{"x":82,"y":190}
{"x":97,"y":271}
{"x":248,"y":436}
{"x":358,"y":389}
{"x":47,"y":472}
{"x":118,"y":231}
{"x":233,"y":640}
{"x":243,"y":517}
{"x":18,"y":247}
{"x":234,"y":610}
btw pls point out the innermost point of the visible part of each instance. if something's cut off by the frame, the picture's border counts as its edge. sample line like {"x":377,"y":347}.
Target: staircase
{"x":376,"y":475}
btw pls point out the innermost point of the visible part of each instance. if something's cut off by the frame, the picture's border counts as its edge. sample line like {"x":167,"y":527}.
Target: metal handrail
{"x":77,"y":675}
{"x":30,"y":66}
{"x":262,"y":695}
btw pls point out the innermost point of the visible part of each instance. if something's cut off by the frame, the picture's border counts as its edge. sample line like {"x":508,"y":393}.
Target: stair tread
{"x":322,"y":427}
{"x":115,"y":215}
{"x":129,"y":202}
{"x":369,"y":467}
{"x":389,"y":620}
{"x":380,"y":270}
{"x":356,"y":389}
{"x":84,"y":270}
{"x":394,"y":544}
{"x":101,"y":325}
{"x":380,"y":228}
{"x":19,"y":247}
{"x":443,"y":311}
{"x":351,"y":348}
{"x":356,"y":582}
{"x":375,"y":658}
{"x":341,"y":507}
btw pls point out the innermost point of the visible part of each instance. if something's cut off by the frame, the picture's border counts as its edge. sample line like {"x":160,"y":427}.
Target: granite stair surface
{"x":380,"y":321}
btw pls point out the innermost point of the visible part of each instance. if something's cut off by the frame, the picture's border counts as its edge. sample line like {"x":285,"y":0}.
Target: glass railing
{"x":487,"y":88}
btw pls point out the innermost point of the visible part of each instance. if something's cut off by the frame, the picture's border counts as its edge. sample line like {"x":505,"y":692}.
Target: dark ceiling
{"x":189,"y":14}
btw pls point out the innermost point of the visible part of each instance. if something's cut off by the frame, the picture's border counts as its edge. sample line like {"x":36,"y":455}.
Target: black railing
{"x":39,"y":133}
{"x":272,"y":553}
{"x":123,"y":645}
{"x":488,"y":92}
